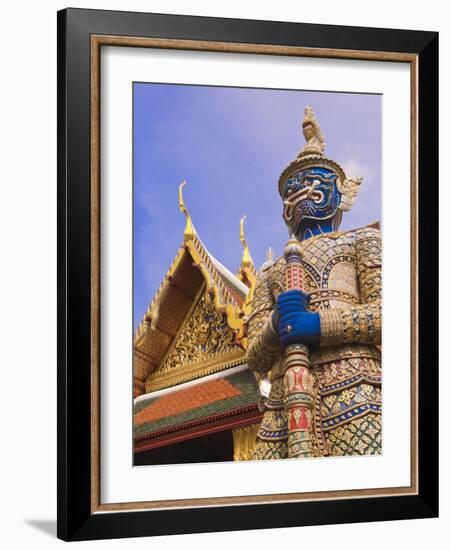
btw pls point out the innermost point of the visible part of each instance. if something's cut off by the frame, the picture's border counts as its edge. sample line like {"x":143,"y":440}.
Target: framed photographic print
{"x":247,"y":274}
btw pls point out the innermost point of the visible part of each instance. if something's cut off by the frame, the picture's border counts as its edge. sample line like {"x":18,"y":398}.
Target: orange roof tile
{"x":185,"y":400}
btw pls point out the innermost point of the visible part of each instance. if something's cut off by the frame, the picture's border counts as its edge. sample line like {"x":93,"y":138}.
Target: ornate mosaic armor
{"x":342,"y":276}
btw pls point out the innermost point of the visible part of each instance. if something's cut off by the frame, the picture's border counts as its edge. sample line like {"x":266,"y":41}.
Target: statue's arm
{"x":263,"y":342}
{"x":358,"y":324}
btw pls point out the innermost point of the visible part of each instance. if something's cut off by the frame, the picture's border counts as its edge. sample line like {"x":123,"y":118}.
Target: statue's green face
{"x":311,"y":196}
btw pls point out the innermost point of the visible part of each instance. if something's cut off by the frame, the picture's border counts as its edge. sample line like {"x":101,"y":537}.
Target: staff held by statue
{"x":298,"y":375}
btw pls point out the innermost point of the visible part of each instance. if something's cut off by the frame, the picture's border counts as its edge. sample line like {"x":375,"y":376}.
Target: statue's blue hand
{"x":287,"y":302}
{"x":294,"y":323}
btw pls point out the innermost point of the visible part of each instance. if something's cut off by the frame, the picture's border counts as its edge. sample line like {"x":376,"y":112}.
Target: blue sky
{"x":230,"y":145}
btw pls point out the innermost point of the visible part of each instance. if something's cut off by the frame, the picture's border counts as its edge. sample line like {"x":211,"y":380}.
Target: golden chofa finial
{"x":246,"y":258}
{"x":315,"y":143}
{"x":189,"y":229}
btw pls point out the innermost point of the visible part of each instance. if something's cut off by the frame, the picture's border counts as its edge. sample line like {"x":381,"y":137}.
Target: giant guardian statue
{"x":314,"y":326}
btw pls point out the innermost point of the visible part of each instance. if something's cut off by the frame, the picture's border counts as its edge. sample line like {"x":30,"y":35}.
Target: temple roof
{"x":228,"y":400}
{"x":193,"y":271}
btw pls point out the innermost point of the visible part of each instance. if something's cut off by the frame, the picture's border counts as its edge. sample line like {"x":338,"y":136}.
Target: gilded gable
{"x":205,"y":334}
{"x":204,"y":344}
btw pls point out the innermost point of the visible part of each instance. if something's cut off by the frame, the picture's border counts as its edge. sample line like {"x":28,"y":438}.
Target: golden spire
{"x":246,"y":258}
{"x":247,"y":271}
{"x":189,"y":229}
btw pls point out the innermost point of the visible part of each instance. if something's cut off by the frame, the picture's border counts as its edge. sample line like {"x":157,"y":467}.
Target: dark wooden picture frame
{"x":81,"y":34}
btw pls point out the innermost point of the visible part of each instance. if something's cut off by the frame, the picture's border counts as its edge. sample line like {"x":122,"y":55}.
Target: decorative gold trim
{"x":95,"y":275}
{"x":107,"y":40}
{"x":244,"y":442}
{"x":183,"y":324}
{"x":256,"y":499}
{"x":159,"y":381}
{"x":414,"y":273}
{"x":236,"y":47}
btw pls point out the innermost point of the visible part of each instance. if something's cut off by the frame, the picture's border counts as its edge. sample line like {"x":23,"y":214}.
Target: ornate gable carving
{"x":205,"y":335}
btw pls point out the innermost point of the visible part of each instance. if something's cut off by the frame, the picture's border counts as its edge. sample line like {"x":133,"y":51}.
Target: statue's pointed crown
{"x":315,"y":143}
{"x":312,"y":153}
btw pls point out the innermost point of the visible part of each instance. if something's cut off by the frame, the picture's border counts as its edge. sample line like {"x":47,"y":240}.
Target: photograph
{"x":257,"y":274}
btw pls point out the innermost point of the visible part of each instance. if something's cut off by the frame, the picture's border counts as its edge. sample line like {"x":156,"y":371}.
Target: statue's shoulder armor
{"x":371,"y":231}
